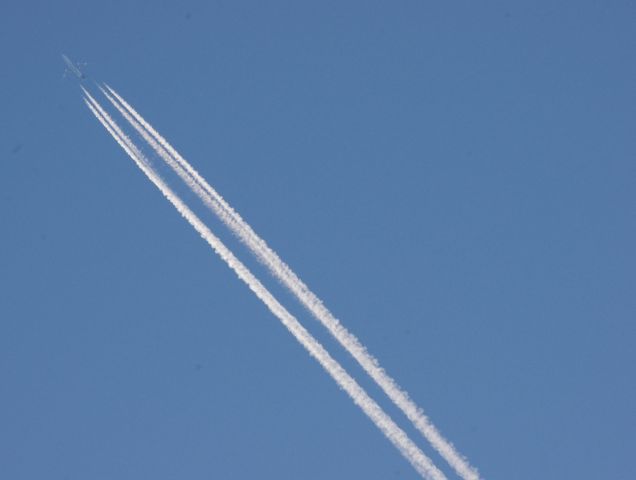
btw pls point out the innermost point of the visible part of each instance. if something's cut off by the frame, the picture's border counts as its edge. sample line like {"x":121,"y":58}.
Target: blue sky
{"x":454,"y":180}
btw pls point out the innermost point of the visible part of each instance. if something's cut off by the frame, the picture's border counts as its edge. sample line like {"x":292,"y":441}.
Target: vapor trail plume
{"x":288,"y":278}
{"x":400,"y":440}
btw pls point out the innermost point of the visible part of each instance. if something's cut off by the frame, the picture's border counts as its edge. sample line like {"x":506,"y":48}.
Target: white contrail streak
{"x":409,"y":450}
{"x":288,"y":278}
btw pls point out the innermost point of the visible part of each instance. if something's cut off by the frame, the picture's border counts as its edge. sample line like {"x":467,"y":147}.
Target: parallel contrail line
{"x":287,"y":277}
{"x":422,"y":464}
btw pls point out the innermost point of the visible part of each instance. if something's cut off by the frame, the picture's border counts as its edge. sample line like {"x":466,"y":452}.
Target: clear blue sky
{"x":454,"y":179}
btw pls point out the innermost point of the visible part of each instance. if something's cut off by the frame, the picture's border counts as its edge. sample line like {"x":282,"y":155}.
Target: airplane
{"x":73,"y":68}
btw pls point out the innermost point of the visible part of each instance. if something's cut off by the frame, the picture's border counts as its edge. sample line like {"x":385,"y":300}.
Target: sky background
{"x":454,"y":179}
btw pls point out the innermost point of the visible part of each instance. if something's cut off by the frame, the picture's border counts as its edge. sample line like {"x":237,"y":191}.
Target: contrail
{"x":422,"y":464}
{"x":288,"y":278}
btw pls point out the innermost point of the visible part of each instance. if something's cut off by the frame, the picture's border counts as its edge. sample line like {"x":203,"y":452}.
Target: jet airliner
{"x":73,"y":68}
